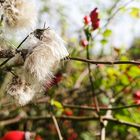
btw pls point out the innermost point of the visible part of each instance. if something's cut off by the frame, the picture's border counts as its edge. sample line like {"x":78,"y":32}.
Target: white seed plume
{"x":45,"y":56}
{"x":19,"y":14}
{"x":56,"y":44}
{"x":20,"y":91}
{"x":45,"y":50}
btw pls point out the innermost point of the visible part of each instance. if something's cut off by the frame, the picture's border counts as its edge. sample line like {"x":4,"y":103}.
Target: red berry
{"x":57,"y":79}
{"x":38,"y":138}
{"x":137,"y":94}
{"x":137,"y":101}
{"x":68,"y":112}
{"x":87,"y":20}
{"x":73,"y":136}
{"x":14,"y":135}
{"x":95,"y":25}
{"x":94,"y":15}
{"x":84,"y":42}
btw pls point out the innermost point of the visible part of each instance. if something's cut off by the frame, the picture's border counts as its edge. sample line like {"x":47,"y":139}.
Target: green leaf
{"x":104,"y":41}
{"x":107,"y":33}
{"x":56,"y":104}
{"x":135,"y":12}
{"x":87,"y":136}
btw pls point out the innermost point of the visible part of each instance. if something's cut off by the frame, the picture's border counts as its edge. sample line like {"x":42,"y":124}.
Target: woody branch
{"x":9,"y":53}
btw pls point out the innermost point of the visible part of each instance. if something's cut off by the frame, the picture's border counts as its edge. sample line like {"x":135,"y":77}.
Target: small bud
{"x":137,"y":101}
{"x":84,"y":43}
{"x":137,"y":94}
{"x":87,"y":20}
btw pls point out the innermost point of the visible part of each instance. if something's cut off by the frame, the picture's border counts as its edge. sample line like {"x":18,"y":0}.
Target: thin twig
{"x":105,"y":62}
{"x":3,"y":63}
{"x":117,"y":121}
{"x":92,"y":86}
{"x":22,"y":41}
{"x":101,"y":108}
{"x":57,"y":127}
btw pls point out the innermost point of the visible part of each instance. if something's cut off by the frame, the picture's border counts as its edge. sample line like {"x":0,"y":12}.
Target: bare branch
{"x":71,"y":118}
{"x":105,"y":62}
{"x":101,"y":108}
{"x":9,"y":53}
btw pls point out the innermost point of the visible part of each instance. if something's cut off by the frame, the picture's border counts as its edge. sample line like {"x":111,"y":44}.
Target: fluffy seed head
{"x":21,"y":91}
{"x":19,"y":14}
{"x":56,"y":43}
{"x":40,"y":62}
{"x":44,"y":57}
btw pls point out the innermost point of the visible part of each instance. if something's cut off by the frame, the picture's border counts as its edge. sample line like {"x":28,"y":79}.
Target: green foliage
{"x":107,"y":33}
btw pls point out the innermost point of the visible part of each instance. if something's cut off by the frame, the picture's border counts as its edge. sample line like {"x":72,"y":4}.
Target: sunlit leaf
{"x":107,"y":33}
{"x":135,"y":12}
{"x":104,"y":41}
{"x":56,"y":104}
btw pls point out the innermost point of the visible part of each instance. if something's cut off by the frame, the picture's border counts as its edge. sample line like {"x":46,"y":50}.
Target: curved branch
{"x":105,"y":62}
{"x":10,"y":53}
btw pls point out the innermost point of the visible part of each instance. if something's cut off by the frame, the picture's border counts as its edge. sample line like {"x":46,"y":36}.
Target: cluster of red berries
{"x":137,"y":97}
{"x":93,"y":20}
{"x":17,"y":135}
